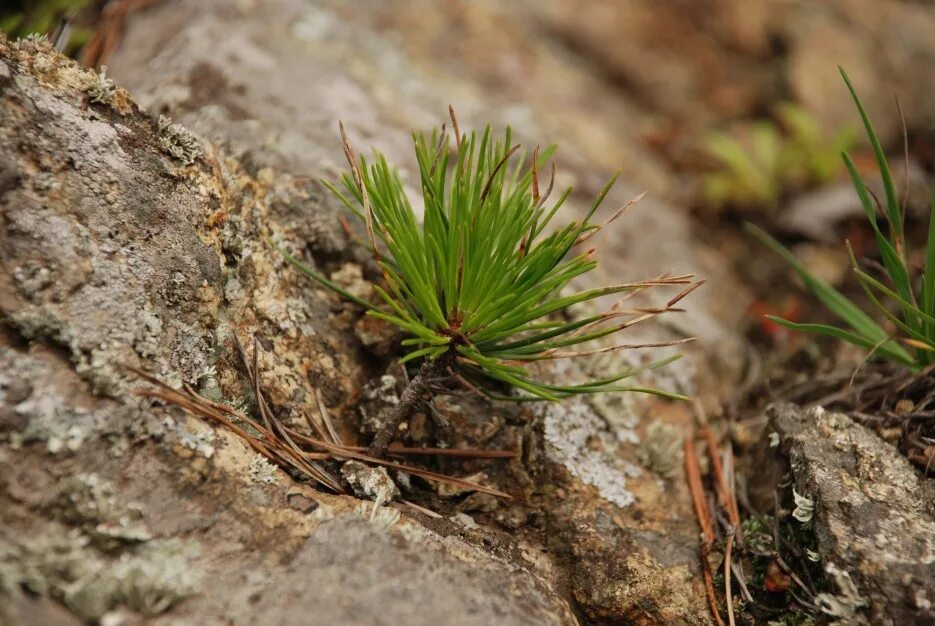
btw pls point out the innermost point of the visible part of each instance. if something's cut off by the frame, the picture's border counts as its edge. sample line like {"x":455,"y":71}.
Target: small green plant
{"x":745,"y":177}
{"x":480,"y":286}
{"x":789,"y":152}
{"x":908,"y":303}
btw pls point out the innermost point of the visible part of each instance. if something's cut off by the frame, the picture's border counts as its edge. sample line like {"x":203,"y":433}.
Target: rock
{"x":822,"y":37}
{"x":874,"y":516}
{"x":819,"y":214}
{"x":268,"y":109}
{"x":661,"y":449}
{"x":364,"y":575}
{"x":632,"y":551}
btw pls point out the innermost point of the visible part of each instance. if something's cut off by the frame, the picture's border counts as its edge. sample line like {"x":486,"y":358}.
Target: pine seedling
{"x":907,"y":303}
{"x":481,"y":286}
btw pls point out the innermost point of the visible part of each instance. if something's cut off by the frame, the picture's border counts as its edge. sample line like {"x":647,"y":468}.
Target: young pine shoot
{"x":479,"y":286}
{"x":908,"y":304}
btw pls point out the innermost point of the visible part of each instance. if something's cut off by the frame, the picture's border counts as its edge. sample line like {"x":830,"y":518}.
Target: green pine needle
{"x":482,"y":278}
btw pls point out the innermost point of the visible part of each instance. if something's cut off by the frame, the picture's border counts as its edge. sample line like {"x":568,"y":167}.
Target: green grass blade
{"x":928,"y":277}
{"x":305,"y":269}
{"x":836,"y":302}
{"x":892,"y":202}
{"x":887,"y":348}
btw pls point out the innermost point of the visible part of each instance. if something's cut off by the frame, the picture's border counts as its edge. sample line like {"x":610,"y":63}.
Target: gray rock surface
{"x":874,"y":516}
{"x":366,"y":575}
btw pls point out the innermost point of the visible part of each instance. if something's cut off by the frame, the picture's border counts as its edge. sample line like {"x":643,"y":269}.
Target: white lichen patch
{"x":102,"y":90}
{"x":373,"y":483}
{"x":568,"y":428}
{"x":619,"y":411}
{"x":465,"y":520}
{"x":41,"y":409}
{"x":262,"y":471}
{"x":804,"y":507}
{"x":159,"y":576}
{"x":148,"y":333}
{"x":193,"y":355}
{"x":661,"y":449}
{"x":378,"y":398}
{"x":178,"y":142}
{"x":846,"y":604}
{"x":383,"y":518}
{"x":201,"y":442}
{"x":52,"y":420}
{"x":64,"y":566}
{"x":32,"y":280}
{"x":89,"y":500}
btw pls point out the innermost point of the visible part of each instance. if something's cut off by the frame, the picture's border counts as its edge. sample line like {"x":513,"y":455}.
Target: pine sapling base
{"x":414,"y":393}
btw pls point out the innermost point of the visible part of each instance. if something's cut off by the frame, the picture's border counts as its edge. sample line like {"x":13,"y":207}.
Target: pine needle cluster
{"x":482,"y":282}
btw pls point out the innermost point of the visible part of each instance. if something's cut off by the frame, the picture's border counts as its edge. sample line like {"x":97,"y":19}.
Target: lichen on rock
{"x":103,"y":89}
{"x":262,"y":471}
{"x":661,"y":448}
{"x":179,"y":142}
{"x":871,"y":511}
{"x":373,"y":483}
{"x":65,"y":567}
{"x":568,"y":427}
{"x":89,"y":501}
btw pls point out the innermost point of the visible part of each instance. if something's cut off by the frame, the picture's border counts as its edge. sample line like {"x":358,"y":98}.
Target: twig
{"x":269,"y":446}
{"x":726,"y":493}
{"x":421,"y":509}
{"x":704,"y":521}
{"x":341,"y":452}
{"x":737,"y":570}
{"x":411,"y":396}
{"x":729,"y":598}
{"x":325,"y":417}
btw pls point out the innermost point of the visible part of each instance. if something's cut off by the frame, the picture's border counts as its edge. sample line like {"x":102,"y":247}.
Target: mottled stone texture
{"x":874,"y":513}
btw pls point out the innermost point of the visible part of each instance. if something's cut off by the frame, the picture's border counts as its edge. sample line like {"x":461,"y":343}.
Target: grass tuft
{"x":908,"y":305}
